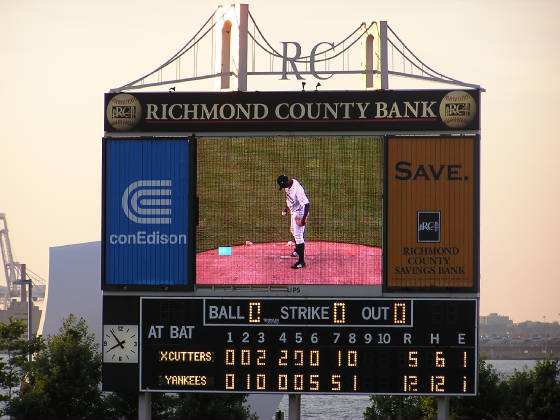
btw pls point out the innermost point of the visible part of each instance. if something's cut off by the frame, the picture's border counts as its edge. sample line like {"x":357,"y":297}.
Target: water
{"x":321,"y":407}
{"x":352,"y":407}
{"x":507,"y":367}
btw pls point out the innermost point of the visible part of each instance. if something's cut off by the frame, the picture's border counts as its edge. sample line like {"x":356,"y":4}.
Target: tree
{"x":389,"y":407}
{"x":520,"y":387}
{"x":545,"y":401}
{"x":122,"y":405}
{"x":184,"y":406}
{"x":16,"y":348}
{"x":212,"y":406}
{"x":535,"y":394}
{"x":63,"y":380}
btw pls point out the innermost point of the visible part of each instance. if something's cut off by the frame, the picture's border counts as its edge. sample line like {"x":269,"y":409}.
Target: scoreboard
{"x":309,"y":345}
{"x":198,"y":290}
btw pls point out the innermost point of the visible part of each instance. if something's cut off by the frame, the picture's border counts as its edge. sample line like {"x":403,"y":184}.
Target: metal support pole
{"x":383,"y":53}
{"x":29,"y":297}
{"x":294,"y":406}
{"x":443,"y":408}
{"x":243,"y":38}
{"x":144,"y":406}
{"x":30,"y":332}
{"x":22,"y":283}
{"x":22,"y":295}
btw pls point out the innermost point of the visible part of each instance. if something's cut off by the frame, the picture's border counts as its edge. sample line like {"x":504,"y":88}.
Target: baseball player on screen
{"x":297,"y":204}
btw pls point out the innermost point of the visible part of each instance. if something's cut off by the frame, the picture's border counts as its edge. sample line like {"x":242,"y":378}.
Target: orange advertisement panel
{"x":431,"y":236}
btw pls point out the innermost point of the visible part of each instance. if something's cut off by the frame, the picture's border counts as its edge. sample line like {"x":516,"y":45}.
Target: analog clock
{"x":120,"y":344}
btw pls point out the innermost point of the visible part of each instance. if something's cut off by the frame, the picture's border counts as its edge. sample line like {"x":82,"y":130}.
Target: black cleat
{"x":298,"y":265}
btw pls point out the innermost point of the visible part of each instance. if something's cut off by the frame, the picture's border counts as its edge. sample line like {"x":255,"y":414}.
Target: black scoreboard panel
{"x":309,"y":345}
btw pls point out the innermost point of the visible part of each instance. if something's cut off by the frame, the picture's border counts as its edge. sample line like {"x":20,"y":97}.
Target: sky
{"x":58,"y":58}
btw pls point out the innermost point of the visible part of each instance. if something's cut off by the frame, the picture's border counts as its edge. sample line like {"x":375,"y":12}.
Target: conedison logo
{"x":148,"y":238}
{"x":148,"y":202}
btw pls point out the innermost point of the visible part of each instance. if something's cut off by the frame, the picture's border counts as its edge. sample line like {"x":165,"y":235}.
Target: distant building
{"x":494,"y":324}
{"x":74,"y":287}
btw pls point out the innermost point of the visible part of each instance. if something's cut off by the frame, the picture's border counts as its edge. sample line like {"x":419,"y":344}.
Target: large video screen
{"x":252,"y":194}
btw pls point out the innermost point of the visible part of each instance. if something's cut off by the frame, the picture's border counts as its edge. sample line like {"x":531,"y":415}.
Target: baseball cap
{"x":282,"y":181}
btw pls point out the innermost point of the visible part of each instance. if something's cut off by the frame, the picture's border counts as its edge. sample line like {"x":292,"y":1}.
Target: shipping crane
{"x":12,"y":269}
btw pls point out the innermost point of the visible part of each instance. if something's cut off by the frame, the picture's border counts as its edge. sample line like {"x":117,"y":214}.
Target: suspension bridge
{"x":230,"y":47}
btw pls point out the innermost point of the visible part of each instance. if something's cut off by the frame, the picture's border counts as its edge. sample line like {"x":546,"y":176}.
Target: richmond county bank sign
{"x":315,"y":110}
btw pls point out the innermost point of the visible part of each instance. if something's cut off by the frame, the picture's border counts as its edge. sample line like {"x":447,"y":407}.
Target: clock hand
{"x":119,"y":342}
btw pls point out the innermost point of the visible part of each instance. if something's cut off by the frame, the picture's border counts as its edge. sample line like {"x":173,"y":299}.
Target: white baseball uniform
{"x":296,"y":199}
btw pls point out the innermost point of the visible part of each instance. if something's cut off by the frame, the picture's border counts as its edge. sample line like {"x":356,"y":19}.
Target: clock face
{"x":120,"y":344}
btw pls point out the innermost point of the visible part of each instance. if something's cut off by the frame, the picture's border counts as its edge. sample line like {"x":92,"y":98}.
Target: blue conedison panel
{"x":146,"y":212}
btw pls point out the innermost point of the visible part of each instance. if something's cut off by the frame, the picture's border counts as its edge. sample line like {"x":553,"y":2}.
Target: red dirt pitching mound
{"x":269,"y":263}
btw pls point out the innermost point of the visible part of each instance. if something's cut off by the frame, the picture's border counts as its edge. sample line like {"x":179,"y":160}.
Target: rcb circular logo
{"x":124,"y":112}
{"x":457,"y":109}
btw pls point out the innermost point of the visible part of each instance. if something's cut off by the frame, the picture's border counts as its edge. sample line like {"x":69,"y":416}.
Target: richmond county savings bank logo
{"x":124,"y":111}
{"x":148,"y":202}
{"x":457,"y":109}
{"x":428,"y":226}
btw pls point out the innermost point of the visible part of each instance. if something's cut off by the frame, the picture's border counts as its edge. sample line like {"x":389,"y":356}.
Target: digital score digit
{"x":309,"y":345}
